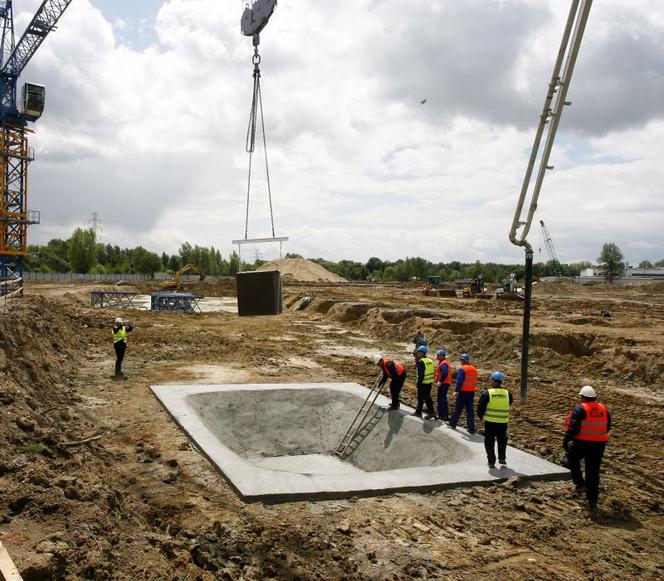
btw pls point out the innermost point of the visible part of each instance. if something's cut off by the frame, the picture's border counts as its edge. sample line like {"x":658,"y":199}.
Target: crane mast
{"x":15,"y":153}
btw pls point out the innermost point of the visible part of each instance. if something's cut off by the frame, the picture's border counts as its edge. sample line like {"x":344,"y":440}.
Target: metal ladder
{"x":358,"y":422}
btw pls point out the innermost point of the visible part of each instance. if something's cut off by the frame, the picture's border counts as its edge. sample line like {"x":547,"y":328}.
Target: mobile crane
{"x":15,"y":154}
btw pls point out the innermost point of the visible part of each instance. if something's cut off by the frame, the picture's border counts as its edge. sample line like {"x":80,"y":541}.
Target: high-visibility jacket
{"x":594,"y":425}
{"x":400,"y":368}
{"x":439,"y":372}
{"x":121,"y":335}
{"x":470,"y":378}
{"x":498,"y":408}
{"x":429,"y":370}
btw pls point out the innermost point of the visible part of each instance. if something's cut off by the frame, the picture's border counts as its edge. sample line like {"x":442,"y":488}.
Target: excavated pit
{"x":277,"y":441}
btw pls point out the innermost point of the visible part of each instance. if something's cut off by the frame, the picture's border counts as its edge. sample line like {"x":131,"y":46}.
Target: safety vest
{"x":121,"y":335}
{"x":594,"y":425}
{"x":568,"y":418}
{"x":470,"y":379}
{"x":400,"y":369}
{"x":429,"y":370}
{"x":498,"y":408}
{"x":439,"y":372}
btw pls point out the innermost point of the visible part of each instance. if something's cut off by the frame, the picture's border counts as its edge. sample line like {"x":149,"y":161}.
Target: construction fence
{"x":75,"y":276}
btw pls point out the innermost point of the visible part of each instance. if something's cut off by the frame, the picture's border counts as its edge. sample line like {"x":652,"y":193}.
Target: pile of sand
{"x":302,"y":270}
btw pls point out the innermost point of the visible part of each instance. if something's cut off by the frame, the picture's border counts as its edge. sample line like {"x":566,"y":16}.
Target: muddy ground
{"x":97,"y":482}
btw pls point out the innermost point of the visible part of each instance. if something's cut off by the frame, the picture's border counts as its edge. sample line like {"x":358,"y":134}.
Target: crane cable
{"x":250,"y":145}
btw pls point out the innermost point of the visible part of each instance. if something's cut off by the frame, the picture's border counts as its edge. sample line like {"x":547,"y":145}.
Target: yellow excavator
{"x":175,"y":283}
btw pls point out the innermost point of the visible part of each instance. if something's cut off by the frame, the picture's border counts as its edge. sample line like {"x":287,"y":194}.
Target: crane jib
{"x":42,"y":23}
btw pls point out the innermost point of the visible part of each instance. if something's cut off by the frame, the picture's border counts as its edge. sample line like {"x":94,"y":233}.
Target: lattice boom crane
{"x":15,"y":154}
{"x":548,"y":242}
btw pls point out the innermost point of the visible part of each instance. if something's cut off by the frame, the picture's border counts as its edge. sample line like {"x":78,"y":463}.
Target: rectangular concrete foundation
{"x":276,"y":442}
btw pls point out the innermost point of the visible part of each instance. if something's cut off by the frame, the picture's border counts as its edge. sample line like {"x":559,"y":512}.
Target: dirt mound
{"x":301,"y":270}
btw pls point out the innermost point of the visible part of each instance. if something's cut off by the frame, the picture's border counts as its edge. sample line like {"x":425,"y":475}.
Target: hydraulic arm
{"x":554,"y":104}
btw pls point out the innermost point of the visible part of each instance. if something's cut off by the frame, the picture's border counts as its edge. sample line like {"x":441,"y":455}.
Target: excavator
{"x":175,"y":283}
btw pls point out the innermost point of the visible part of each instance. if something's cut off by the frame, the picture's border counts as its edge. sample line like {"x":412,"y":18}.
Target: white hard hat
{"x":377,"y":359}
{"x":118,"y":320}
{"x":587,"y":391}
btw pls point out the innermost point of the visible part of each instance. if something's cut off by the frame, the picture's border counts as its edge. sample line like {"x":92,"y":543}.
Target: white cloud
{"x":153,"y":139}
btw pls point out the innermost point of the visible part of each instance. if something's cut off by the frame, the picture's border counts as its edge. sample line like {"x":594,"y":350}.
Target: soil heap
{"x":302,"y":270}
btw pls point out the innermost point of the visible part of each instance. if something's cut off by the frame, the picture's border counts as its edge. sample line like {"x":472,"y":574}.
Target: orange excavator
{"x":175,"y":283}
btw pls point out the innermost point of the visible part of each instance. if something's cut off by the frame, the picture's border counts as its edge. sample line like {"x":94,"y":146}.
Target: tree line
{"x":83,"y":253}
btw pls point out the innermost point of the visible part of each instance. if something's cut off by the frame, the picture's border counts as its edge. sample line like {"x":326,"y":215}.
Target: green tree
{"x":234,"y":263}
{"x":174,"y":263}
{"x":82,"y":249}
{"x":610,"y":260}
{"x":146,"y":262}
{"x":185,"y":253}
{"x":374,"y":264}
{"x":645,"y":264}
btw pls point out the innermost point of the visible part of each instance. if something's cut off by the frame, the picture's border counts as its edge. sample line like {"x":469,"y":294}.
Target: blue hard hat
{"x":422,"y":349}
{"x":465,"y":357}
{"x":441,"y":352}
{"x":497,"y":375}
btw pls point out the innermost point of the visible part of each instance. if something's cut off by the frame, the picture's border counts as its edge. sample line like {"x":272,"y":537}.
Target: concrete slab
{"x":276,"y":442}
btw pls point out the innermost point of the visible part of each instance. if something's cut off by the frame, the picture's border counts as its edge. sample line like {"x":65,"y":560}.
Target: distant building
{"x":654,"y":274}
{"x":591,"y":272}
{"x":630,"y":276}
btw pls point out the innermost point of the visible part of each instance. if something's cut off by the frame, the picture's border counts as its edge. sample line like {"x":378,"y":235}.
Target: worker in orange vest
{"x":586,"y":434}
{"x":396,"y":373}
{"x":441,"y":380}
{"x":466,"y":385}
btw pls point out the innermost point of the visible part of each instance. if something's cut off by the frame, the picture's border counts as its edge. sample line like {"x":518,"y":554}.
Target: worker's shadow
{"x":615,"y":518}
{"x":502,"y":472}
{"x":394,"y":421}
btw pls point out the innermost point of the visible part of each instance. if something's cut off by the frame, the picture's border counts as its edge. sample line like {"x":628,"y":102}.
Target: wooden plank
{"x":8,"y":571}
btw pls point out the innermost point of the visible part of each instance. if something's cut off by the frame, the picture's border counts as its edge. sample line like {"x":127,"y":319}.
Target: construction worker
{"x":120,"y":331}
{"x":494,"y":408}
{"x":586,"y":435}
{"x":420,"y":340}
{"x":397,"y":375}
{"x":466,"y":384}
{"x":442,"y":379}
{"x":425,"y":373}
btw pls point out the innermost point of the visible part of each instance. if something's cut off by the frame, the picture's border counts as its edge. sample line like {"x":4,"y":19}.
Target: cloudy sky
{"x":148,"y":101}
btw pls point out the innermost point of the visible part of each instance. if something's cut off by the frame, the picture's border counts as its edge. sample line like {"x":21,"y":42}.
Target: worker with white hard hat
{"x":587,"y":429}
{"x":396,"y":373}
{"x":120,"y":330}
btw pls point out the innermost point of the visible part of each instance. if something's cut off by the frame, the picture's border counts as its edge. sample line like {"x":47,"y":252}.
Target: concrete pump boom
{"x":558,"y":87}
